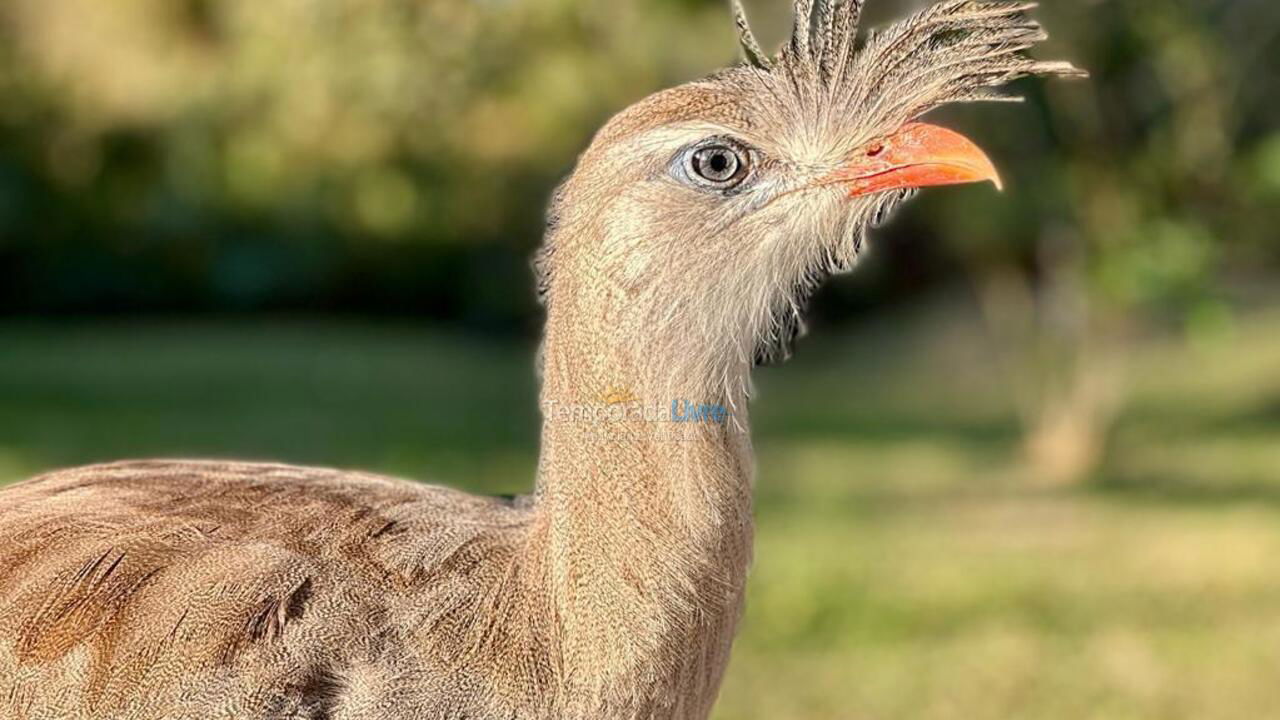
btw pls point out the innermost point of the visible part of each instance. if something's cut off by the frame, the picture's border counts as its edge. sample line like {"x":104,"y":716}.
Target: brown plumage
{"x":680,"y":249}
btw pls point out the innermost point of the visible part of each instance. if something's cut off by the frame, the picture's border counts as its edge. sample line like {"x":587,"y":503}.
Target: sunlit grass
{"x":1008,"y":604}
{"x":906,"y":565}
{"x":413,"y":403}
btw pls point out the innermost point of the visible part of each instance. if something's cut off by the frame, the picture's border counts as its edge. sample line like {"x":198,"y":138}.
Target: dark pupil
{"x":716,"y":164}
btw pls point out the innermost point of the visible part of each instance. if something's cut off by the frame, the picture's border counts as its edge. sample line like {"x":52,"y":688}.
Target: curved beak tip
{"x":920,"y":155}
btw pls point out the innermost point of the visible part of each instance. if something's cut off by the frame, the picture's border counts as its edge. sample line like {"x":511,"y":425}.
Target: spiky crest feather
{"x":955,"y":51}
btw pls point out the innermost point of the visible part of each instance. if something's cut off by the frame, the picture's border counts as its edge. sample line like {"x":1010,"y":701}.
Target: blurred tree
{"x":242,"y":153}
{"x":1141,"y":208}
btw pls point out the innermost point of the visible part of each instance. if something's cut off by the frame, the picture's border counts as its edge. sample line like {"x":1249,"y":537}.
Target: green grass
{"x":906,"y":565}
{"x":406,"y":402}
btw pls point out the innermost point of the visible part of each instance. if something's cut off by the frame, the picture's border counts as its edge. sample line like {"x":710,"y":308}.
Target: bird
{"x":677,"y":255}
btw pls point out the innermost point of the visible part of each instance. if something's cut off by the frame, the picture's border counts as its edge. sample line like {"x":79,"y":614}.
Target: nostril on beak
{"x":875,"y":150}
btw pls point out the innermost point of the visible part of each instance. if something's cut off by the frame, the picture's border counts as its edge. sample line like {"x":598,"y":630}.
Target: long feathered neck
{"x":643,"y":532}
{"x":643,"y":496}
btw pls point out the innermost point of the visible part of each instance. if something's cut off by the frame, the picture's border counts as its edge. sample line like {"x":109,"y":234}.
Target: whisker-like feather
{"x":750,"y":46}
{"x":844,"y":31}
{"x":823,"y":25}
{"x":802,"y":31}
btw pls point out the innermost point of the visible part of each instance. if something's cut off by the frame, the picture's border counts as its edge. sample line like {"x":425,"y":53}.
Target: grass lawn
{"x":905,"y":567}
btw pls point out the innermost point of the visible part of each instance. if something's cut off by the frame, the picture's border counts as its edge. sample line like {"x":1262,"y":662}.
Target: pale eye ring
{"x":719,"y":165}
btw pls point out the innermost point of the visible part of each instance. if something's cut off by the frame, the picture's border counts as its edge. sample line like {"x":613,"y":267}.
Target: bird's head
{"x":705,"y":214}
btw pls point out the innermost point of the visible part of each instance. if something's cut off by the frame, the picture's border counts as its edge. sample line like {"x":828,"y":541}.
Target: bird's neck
{"x":644,"y":502}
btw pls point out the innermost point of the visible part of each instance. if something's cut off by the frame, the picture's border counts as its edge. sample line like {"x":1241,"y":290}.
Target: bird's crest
{"x":954,"y":51}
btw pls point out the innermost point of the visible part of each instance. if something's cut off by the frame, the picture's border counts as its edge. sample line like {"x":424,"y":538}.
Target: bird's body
{"x":256,"y":592}
{"x":185,"y":591}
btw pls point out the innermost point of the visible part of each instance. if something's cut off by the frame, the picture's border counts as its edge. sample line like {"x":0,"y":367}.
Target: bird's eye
{"x":719,"y":165}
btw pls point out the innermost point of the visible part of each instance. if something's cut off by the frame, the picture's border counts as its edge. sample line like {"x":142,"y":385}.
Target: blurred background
{"x":1026,"y":465}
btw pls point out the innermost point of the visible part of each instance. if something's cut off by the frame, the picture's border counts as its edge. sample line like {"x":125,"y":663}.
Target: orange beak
{"x":917,"y":156}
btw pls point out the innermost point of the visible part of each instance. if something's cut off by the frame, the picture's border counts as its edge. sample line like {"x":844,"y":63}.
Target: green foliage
{"x":183,"y":142}
{"x":396,"y":155}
